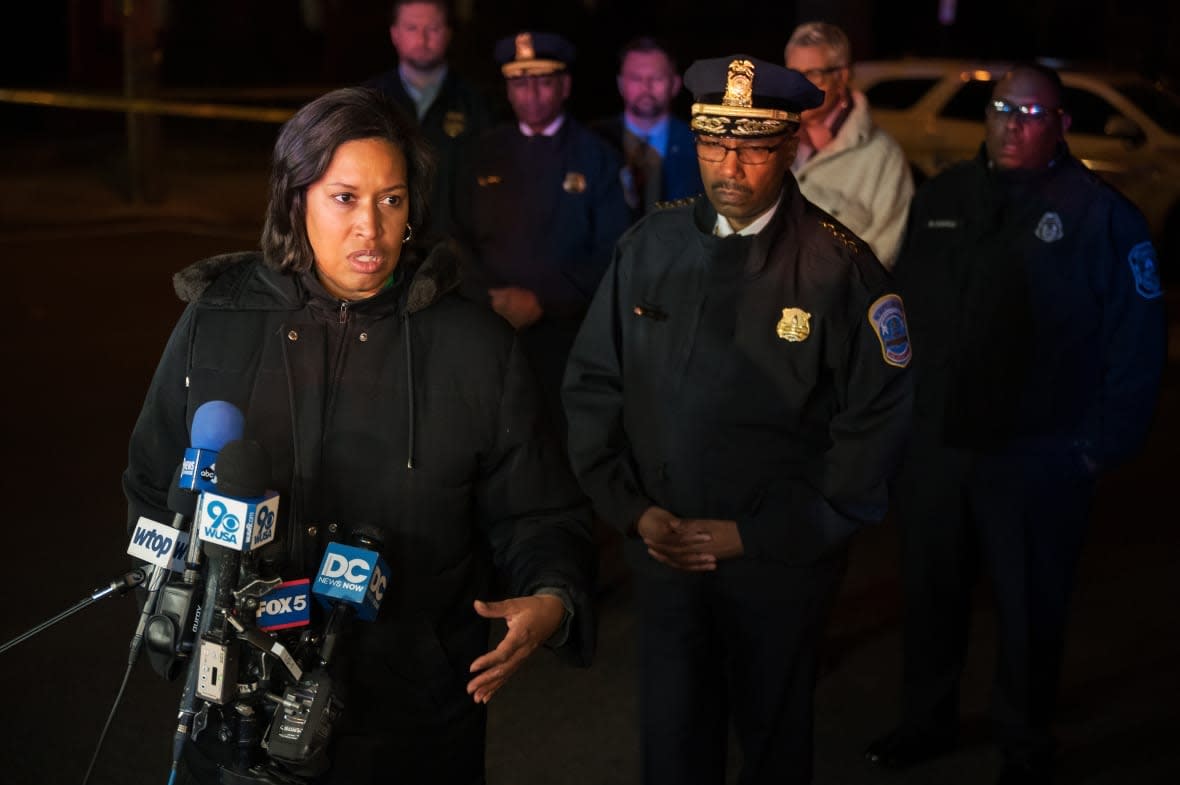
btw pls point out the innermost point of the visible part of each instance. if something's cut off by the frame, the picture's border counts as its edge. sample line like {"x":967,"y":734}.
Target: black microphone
{"x":170,"y":629}
{"x":228,"y":524}
{"x":170,"y":547}
{"x":336,"y":585}
{"x":352,"y":580}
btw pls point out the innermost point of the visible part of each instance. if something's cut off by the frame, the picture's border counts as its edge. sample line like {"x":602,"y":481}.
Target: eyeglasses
{"x":754,"y":155}
{"x":999,"y":109}
{"x":821,"y":74}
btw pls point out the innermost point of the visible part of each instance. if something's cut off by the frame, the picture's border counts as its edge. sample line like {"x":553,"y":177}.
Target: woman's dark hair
{"x":304,"y":151}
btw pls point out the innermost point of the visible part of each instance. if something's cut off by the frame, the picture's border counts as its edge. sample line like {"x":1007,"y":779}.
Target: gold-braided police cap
{"x":746,"y":97}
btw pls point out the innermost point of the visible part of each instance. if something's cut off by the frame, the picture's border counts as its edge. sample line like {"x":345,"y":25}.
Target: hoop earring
{"x":409,"y":233}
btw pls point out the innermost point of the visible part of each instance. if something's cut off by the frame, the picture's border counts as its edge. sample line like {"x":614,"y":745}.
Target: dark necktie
{"x":637,"y":167}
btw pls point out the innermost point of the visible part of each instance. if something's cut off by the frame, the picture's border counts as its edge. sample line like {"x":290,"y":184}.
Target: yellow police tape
{"x":112,"y":103}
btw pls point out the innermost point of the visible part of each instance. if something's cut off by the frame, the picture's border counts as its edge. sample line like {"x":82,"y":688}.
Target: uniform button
{"x":332,"y":528}
{"x":364,"y":337}
{"x":312,"y":531}
{"x":292,"y":336}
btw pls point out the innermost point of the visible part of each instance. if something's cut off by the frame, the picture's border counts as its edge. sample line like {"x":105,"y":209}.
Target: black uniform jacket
{"x":456,"y":117}
{"x":544,"y":213}
{"x":412,"y":411}
{"x":681,"y":393}
{"x":1037,"y":315}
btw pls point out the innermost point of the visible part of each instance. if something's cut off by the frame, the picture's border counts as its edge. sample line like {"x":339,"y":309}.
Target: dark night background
{"x":235,"y":43}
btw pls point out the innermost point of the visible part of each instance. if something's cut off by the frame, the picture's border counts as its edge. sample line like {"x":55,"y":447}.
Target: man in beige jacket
{"x":846,"y":165}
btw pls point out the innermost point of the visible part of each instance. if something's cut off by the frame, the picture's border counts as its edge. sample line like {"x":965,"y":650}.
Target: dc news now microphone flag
{"x":353,"y":576}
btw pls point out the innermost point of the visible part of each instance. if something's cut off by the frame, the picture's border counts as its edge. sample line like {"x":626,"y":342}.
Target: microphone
{"x":237,"y":518}
{"x":170,"y":616}
{"x":240,"y":517}
{"x":286,"y":606}
{"x":162,"y":546}
{"x":215,"y":423}
{"x":240,"y":514}
{"x":169,"y":608}
{"x":352,"y":580}
{"x":353,"y":576}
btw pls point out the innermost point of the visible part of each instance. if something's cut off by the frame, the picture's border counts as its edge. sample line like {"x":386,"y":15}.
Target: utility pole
{"x":140,"y":79}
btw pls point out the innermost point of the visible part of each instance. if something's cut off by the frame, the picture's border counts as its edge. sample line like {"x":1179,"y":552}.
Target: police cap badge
{"x":533,"y":54}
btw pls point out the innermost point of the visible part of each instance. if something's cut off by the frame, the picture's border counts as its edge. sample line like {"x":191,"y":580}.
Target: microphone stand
{"x":120,"y":586}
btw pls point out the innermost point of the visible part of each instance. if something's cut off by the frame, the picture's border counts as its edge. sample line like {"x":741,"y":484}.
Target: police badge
{"x":454,"y":123}
{"x":574,"y":183}
{"x":795,"y":325}
{"x":1049,"y":229}
{"x":1143,"y":267}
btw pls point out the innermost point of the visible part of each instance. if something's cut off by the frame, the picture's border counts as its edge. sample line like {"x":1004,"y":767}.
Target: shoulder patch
{"x":675,"y":203}
{"x":1146,"y":271}
{"x":1049,"y":230}
{"x":887,"y":317}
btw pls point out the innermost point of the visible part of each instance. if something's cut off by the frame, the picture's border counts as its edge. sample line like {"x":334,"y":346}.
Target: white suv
{"x":1125,"y":128}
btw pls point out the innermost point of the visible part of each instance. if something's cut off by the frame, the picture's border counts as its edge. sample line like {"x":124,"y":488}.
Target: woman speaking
{"x":384,"y":401}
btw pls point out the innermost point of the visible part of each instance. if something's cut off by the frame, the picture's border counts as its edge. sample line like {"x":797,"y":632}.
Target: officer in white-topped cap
{"x":737,"y":398}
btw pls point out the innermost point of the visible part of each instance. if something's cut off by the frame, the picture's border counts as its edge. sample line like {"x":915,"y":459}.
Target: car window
{"x":1090,"y":111}
{"x":898,"y":93}
{"x":1158,"y":104}
{"x":969,"y":102}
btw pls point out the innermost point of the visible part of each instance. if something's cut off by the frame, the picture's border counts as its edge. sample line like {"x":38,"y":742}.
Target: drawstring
{"x":409,"y":390}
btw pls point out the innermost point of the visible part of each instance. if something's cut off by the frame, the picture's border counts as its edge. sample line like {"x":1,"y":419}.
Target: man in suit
{"x":661,"y":162}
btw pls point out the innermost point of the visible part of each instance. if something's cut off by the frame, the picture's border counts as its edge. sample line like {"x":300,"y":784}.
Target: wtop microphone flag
{"x":355,"y":576}
{"x":159,"y":544}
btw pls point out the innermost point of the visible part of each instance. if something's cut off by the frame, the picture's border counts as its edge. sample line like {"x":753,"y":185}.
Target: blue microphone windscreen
{"x":216,"y":423}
